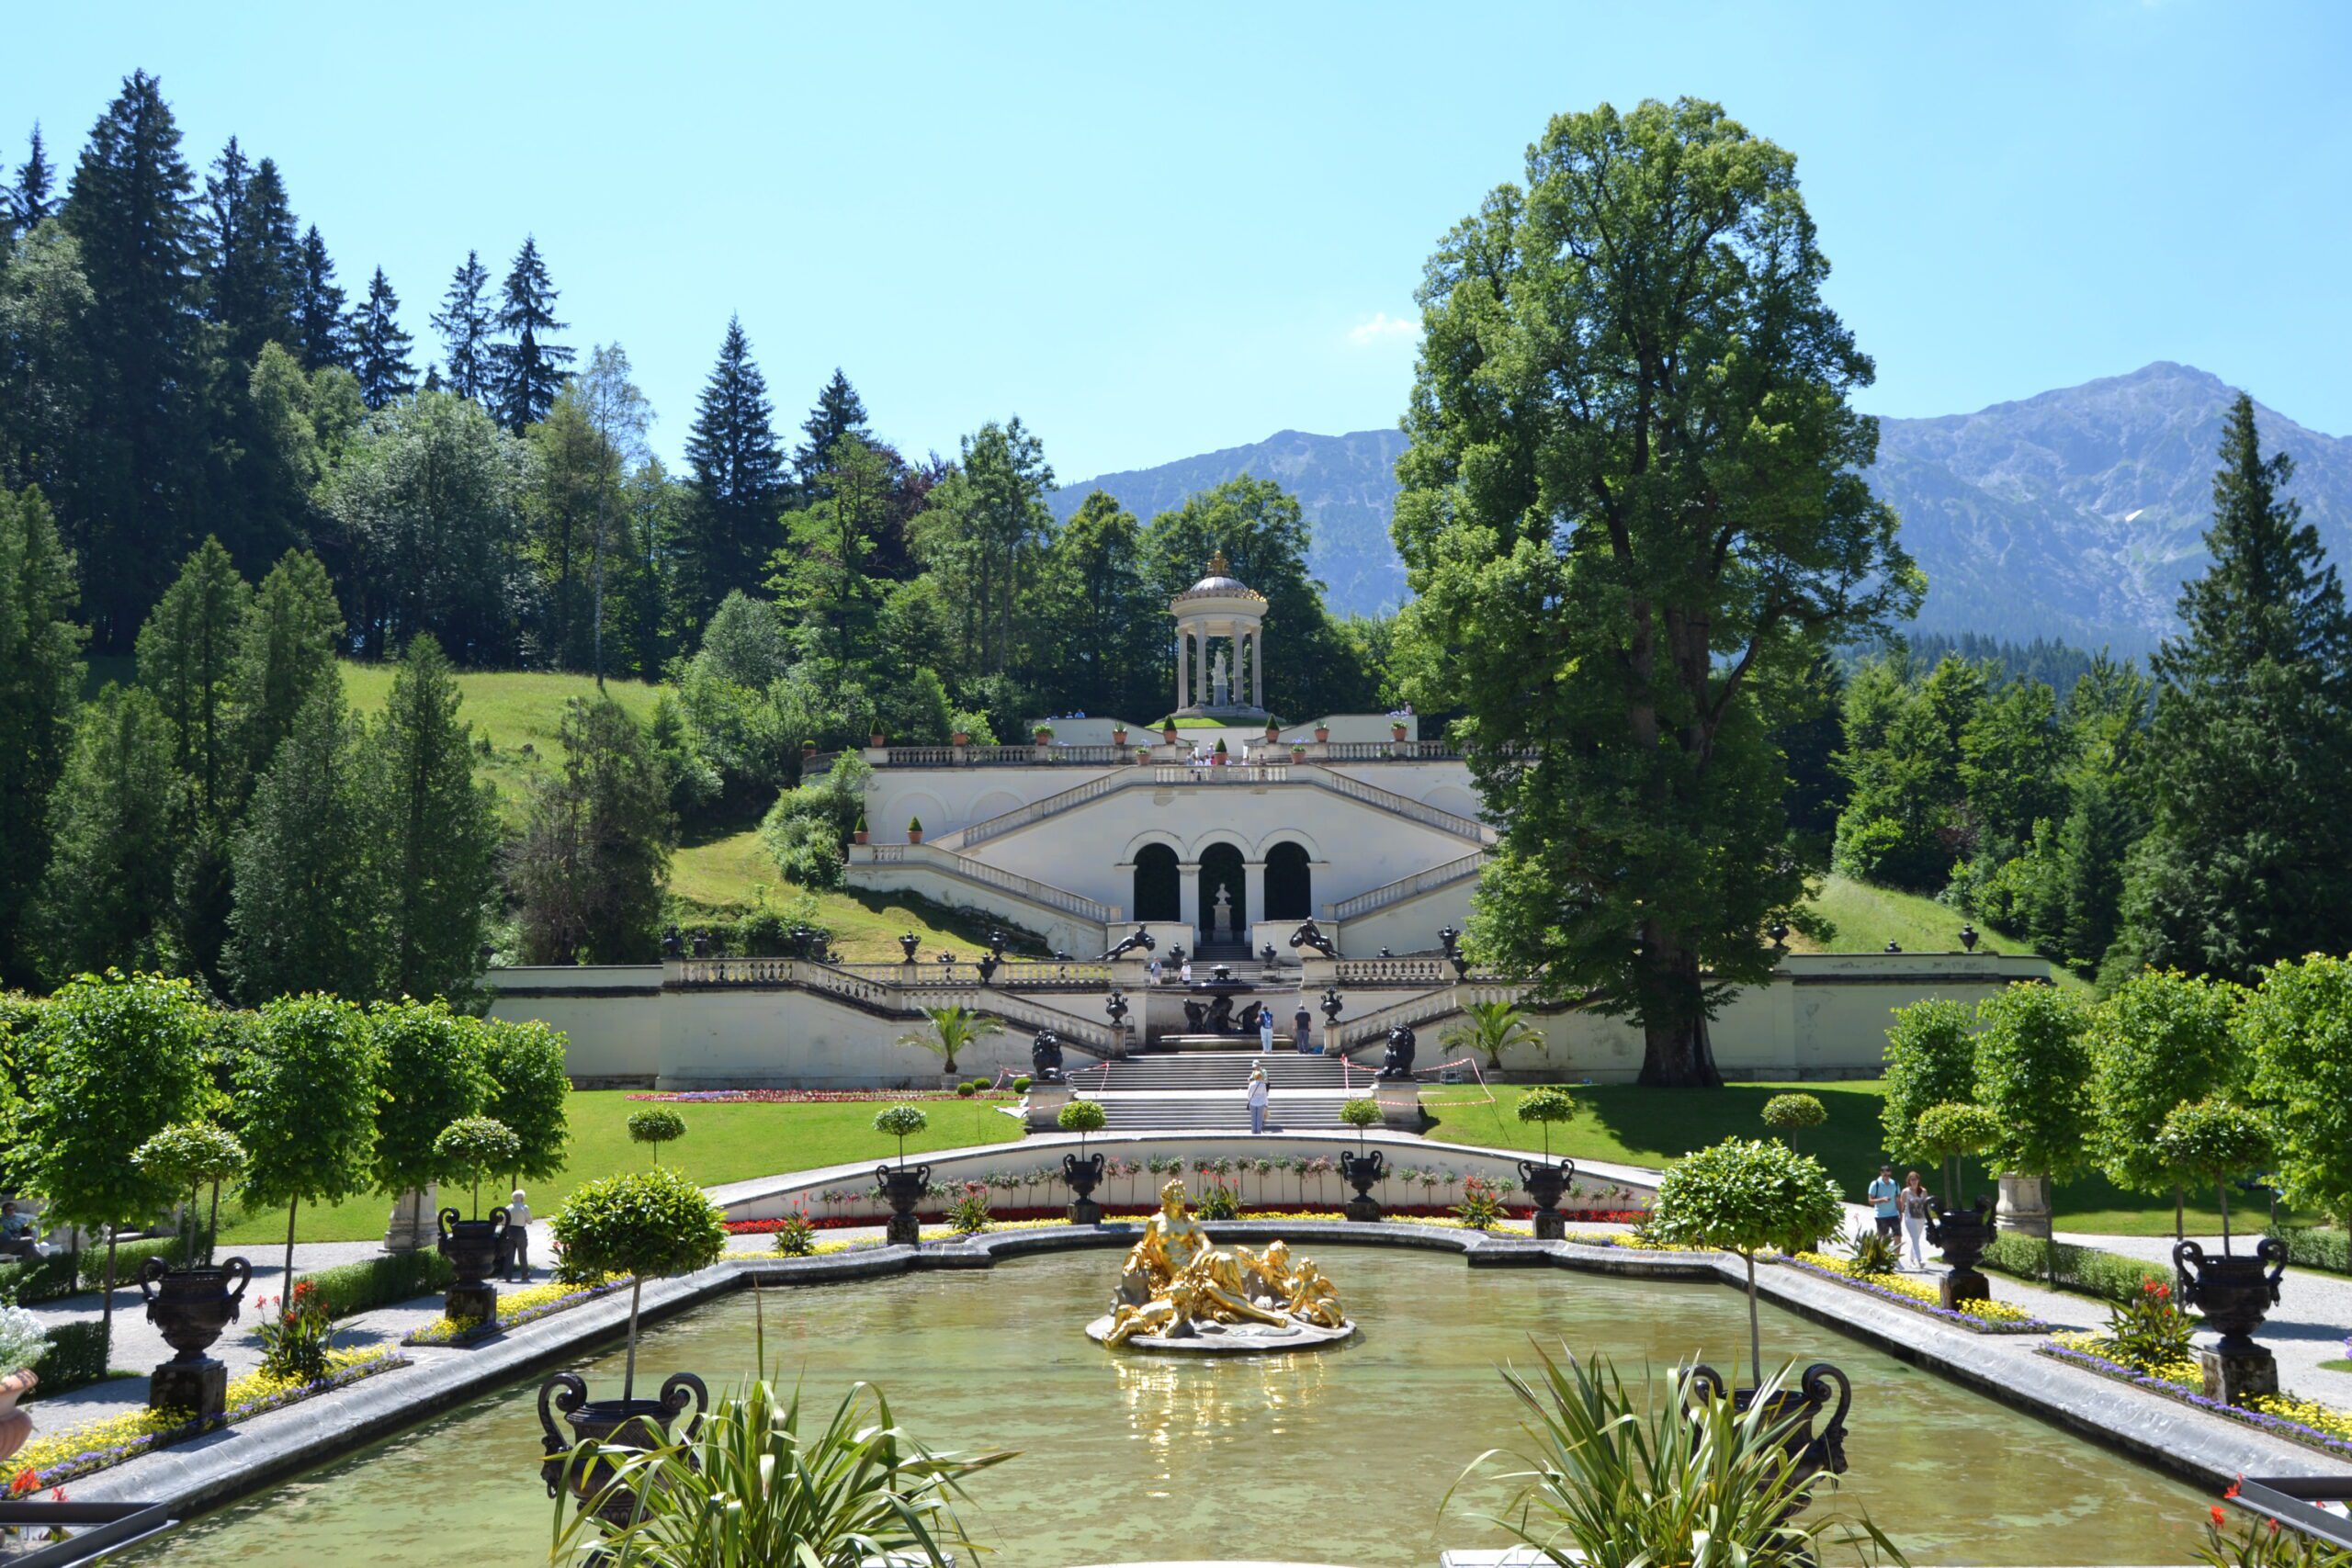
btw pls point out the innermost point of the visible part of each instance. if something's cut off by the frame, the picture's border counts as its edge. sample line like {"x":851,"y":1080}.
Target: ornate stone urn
{"x":634,"y":1424}
{"x":2235,"y":1293}
{"x":902,"y":1187}
{"x":1963,"y":1235}
{"x":1083,"y":1175}
{"x":1815,"y":1451}
{"x":16,"y":1425}
{"x":472,"y":1247}
{"x":191,"y":1307}
{"x":1546,"y":1184}
{"x":1360,"y":1172}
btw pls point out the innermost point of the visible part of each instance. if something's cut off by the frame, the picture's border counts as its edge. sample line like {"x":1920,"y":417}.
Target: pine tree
{"x":307,"y":915}
{"x":433,"y":829}
{"x":109,"y":886}
{"x":40,"y":678}
{"x":320,"y":338}
{"x":278,"y":261}
{"x":530,"y":368}
{"x":588,"y":870}
{"x":839,"y":412}
{"x":35,"y":179}
{"x":464,"y":322}
{"x":738,"y":481}
{"x":285,"y":654}
{"x":130,"y":208}
{"x":380,"y":347}
{"x":187,"y":656}
{"x":2251,"y":845}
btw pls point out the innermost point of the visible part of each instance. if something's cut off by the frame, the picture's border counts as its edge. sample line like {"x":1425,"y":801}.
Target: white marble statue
{"x":1223,"y":919}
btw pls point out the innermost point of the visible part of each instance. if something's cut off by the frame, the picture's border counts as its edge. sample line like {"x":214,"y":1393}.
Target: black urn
{"x":2235,"y":1293}
{"x":1963,"y":1235}
{"x":1546,"y":1184}
{"x":1083,"y":1175}
{"x":472,"y":1245}
{"x":1815,"y":1451}
{"x":637,"y":1425}
{"x":1360,"y":1171}
{"x":902,"y":1187}
{"x":192,"y":1308}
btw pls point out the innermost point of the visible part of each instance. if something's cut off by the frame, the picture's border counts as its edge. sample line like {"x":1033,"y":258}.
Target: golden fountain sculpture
{"x":1179,"y":1292}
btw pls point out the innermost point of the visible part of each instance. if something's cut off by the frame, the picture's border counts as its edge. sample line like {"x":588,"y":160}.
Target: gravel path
{"x":2307,"y":1326}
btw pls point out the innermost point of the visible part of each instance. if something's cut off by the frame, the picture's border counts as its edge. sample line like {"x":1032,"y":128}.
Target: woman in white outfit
{"x":1913,"y":1202}
{"x":1265,"y":1032}
{"x":1259,"y":1094}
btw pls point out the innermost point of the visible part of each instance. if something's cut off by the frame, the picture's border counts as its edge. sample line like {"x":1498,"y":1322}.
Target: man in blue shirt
{"x":1883,"y":1195}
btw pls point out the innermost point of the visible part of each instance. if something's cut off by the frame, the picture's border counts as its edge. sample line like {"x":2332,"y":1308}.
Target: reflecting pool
{"x":1338,"y":1456}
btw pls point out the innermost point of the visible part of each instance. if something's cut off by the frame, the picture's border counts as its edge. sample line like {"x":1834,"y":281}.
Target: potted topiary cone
{"x":644,"y":1224}
{"x":902,"y":1189}
{"x":1219,"y":757}
{"x":1168,"y":729}
{"x":915,"y":829}
{"x":857,"y":834}
{"x":1082,"y":1171}
{"x":1273,"y":732}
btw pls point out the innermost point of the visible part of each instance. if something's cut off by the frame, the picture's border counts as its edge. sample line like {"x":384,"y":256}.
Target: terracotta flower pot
{"x":858,"y":836}
{"x":959,"y":739}
{"x":1397,"y":732}
{"x":16,"y":1425}
{"x":875,"y":739}
{"x":914,"y":835}
{"x":1322,"y":733}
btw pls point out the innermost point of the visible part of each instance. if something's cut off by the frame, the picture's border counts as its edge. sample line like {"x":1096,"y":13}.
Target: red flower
{"x":2232,"y":1491}
{"x":57,"y":1494}
{"x":25,"y":1479}
{"x":2216,"y":1511}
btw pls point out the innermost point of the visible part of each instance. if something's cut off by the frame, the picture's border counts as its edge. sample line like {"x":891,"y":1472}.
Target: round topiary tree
{"x":1544,"y":1107}
{"x":1360,"y":1112}
{"x":1787,"y":1114}
{"x":1949,"y":1131}
{"x":432,"y":1075}
{"x":901,"y":1121}
{"x":2161,"y":1040}
{"x":1744,"y":1195}
{"x":189,"y":1155}
{"x":655,"y":1126}
{"x":306,"y":1092}
{"x":473,"y":1147}
{"x":646,"y":1224}
{"x":530,"y":1091}
{"x":2297,"y":1027}
{"x":1081,"y":1116}
{"x":2217,"y":1139}
{"x":1930,"y":1060}
{"x":2033,"y":1071}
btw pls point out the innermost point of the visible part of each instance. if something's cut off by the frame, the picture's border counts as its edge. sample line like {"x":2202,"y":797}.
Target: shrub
{"x":41,"y":1279}
{"x":1219,"y":1203}
{"x":965,"y":1091}
{"x":795,"y":1237}
{"x":130,"y":1255}
{"x":294,"y":1342}
{"x":1021,"y":1085}
{"x":76,"y":1357}
{"x":1870,"y":1253}
{"x":1791,"y":1113}
{"x":2148,"y":1331}
{"x":348,"y":1289}
{"x":654,"y":1127}
{"x":2307,"y":1246}
{"x":2084,"y":1269}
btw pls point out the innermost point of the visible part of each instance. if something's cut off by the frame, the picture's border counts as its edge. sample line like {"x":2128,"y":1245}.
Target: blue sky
{"x":1152,"y":232}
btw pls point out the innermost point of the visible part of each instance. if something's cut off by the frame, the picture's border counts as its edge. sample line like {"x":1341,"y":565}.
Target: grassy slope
{"x":1640,"y":1126}
{"x":1868,"y":917}
{"x":723,"y":1142}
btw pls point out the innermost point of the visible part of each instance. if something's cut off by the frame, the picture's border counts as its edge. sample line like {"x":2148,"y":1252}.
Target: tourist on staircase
{"x":1266,"y":1031}
{"x":1259,"y":1095}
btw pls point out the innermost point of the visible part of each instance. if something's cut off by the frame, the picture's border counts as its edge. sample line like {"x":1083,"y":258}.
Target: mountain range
{"x":2075,"y":515}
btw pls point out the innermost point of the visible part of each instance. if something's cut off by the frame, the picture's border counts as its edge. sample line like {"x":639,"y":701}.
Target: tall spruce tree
{"x":738,"y":479}
{"x":308,"y":915}
{"x":131,"y":207}
{"x":465,"y":322}
{"x":2251,"y":846}
{"x":35,"y":182}
{"x":285,"y":654}
{"x":380,"y":347}
{"x":40,"y":677}
{"x":107,"y":894}
{"x":838,"y":411}
{"x":587,"y":872}
{"x":530,"y":365}
{"x":433,"y":829}
{"x":320,"y":336}
{"x":251,"y":261}
{"x":186,"y":658}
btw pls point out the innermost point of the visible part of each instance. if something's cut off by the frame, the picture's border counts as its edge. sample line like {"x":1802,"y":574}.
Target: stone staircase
{"x":1209,"y":1091}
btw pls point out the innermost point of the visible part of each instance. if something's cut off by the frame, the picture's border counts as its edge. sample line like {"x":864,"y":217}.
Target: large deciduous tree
{"x":2251,"y":846}
{"x":1633,"y":506}
{"x":587,"y":873}
{"x":307,"y":1084}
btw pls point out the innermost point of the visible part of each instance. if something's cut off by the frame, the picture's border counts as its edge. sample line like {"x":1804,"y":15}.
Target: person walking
{"x":518,"y":1240}
{"x":1184,"y":972}
{"x":1913,"y":1201}
{"x":1301,"y":1022}
{"x":1265,"y":1032}
{"x":1883,"y":1195}
{"x":1259,"y":1094}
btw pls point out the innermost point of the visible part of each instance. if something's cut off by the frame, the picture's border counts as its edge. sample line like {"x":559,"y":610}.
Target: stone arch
{"x":918,"y":804}
{"x":1290,"y":882}
{"x":996,"y":803}
{"x":1158,"y":886}
{"x":1221,"y":867}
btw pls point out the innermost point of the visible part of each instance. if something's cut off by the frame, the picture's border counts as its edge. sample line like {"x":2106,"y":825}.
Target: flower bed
{"x":53,"y":1460}
{"x":1431,"y":1212}
{"x":1979,"y":1317}
{"x":1625,"y":1241}
{"x":514,"y":1309}
{"x":811,"y":1096}
{"x":2304,"y":1421}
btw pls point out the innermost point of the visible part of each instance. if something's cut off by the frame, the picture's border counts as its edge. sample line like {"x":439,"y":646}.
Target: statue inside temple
{"x":1176,"y":1285}
{"x":1220,"y":682}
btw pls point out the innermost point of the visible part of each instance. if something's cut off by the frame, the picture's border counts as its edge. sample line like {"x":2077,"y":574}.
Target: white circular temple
{"x":1220,"y":608}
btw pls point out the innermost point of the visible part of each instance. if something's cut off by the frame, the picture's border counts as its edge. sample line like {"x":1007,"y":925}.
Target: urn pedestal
{"x":902,"y":1187}
{"x":472,"y":1247}
{"x":638,"y":1424}
{"x":2025,"y":1205}
{"x":1361,"y":1172}
{"x":2234,"y":1294}
{"x":1963,"y":1235}
{"x":1546,"y":1184}
{"x":191,"y":1307}
{"x":1083,"y":1175}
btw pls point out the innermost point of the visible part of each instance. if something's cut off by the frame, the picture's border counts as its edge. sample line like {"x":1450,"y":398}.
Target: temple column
{"x":1188,"y":898}
{"x":1258,"y":667}
{"x":1208,"y":691}
{"x":1253,"y":895}
{"x":1183,"y":673}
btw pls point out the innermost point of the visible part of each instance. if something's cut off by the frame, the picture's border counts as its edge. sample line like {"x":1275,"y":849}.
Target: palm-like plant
{"x":952,"y":1029}
{"x":1613,"y":1481}
{"x":1493,"y":1028}
{"x":750,"y":1489}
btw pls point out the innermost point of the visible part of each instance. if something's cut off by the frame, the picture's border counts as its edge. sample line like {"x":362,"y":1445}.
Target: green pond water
{"x":1339,"y":1455}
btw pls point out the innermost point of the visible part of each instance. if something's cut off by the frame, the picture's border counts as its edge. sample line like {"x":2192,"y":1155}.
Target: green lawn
{"x":1646,"y":1126}
{"x":723,"y":1142}
{"x":1868,"y":917}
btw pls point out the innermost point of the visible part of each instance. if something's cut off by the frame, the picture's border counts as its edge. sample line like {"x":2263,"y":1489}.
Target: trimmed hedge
{"x":351,"y":1288}
{"x":30,"y":1279}
{"x":2087,"y":1270}
{"x":76,"y":1358}
{"x":2316,"y":1247}
{"x":127,"y":1256}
